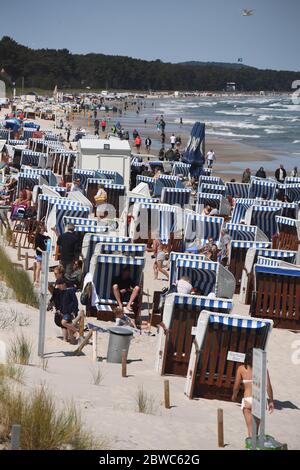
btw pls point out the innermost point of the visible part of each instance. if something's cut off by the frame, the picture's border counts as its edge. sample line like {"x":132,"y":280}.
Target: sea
{"x":269,"y":122}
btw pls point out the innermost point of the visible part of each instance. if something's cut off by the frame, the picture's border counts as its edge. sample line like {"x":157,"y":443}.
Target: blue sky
{"x":170,"y":30}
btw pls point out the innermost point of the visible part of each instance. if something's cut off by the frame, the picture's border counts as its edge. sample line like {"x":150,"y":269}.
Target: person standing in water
{"x":244,"y":376}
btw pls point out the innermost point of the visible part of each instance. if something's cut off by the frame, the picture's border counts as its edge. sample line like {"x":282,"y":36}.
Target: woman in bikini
{"x":244,"y":376}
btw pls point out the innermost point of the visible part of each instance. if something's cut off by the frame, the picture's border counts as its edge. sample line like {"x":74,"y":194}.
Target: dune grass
{"x":20,"y":349}
{"x":11,"y":371}
{"x":145,"y":402}
{"x":44,"y":425}
{"x":18,"y":280}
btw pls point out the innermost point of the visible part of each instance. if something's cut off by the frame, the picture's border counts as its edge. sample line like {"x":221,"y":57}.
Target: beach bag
{"x":86,"y":294}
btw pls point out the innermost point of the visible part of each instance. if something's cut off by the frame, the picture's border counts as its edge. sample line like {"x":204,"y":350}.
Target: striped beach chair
{"x":166,"y":181}
{"x":237,"y":190}
{"x":241,"y":232}
{"x":4,"y":134}
{"x":181,"y":169}
{"x":174,"y":256}
{"x":83,"y":176}
{"x":156,"y":221}
{"x":90,"y":241}
{"x":115,"y":197}
{"x":55,"y":215}
{"x":180,"y":317}
{"x":276,"y":295}
{"x":264,"y":217}
{"x":104,"y":268}
{"x":210,"y":180}
{"x":27,"y":180}
{"x":199,"y":228}
{"x":207,"y":277}
{"x":289,"y":209}
{"x":219,"y":346}
{"x":213,"y":200}
{"x":247,"y":282}
{"x":237,"y":255}
{"x":110,"y":175}
{"x":46,"y":174}
{"x":292,"y":191}
{"x":288,"y":233}
{"x":80,"y":221}
{"x":212,"y":188}
{"x":240,"y":209}
{"x":148,"y":180}
{"x":176,"y":196}
{"x":126,"y":249}
{"x":35,"y":159}
{"x":262,"y":188}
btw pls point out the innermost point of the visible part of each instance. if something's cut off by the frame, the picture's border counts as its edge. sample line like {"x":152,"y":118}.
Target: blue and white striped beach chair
{"x":237,"y":190}
{"x":175,"y":340}
{"x":181,"y":169}
{"x":207,"y":277}
{"x":292,"y":191}
{"x":220,"y":344}
{"x":288,"y":233}
{"x":241,"y":232}
{"x":63,"y":210}
{"x":240,"y":209}
{"x":174,"y":256}
{"x":199,"y":228}
{"x":212,"y":189}
{"x":90,"y":241}
{"x":176,"y":196}
{"x":83,"y":176}
{"x":264,"y":217}
{"x":46,"y":174}
{"x":35,"y":159}
{"x":210,"y":180}
{"x":262,"y":188}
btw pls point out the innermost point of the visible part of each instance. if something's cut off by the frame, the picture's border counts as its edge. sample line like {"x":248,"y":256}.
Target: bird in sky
{"x":247,"y":12}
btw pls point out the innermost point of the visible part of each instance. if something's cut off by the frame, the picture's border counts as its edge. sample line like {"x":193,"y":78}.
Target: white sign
{"x":236,"y":357}
{"x":259,"y":383}
{"x":194,"y":331}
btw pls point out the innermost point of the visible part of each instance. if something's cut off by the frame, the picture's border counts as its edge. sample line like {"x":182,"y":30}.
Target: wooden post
{"x":13,"y":242}
{"x":95,"y":348}
{"x":1,"y":228}
{"x":26,"y":261}
{"x":15,"y":437}
{"x":124,"y":363}
{"x":167,"y":394}
{"x":81,"y":324}
{"x":220,"y":428}
{"x":19,"y":251}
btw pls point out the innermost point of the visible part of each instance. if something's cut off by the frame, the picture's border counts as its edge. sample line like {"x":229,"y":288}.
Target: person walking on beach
{"x":148,"y":143}
{"x":244,"y":376}
{"x":246,"y":176}
{"x":172,"y":141}
{"x":280,"y":174}
{"x":211,"y":158}
{"x":103,"y":125}
{"x":40,"y":245}
{"x":69,"y":248}
{"x":68,"y":308}
{"x":261,"y":173}
{"x":138,"y":143}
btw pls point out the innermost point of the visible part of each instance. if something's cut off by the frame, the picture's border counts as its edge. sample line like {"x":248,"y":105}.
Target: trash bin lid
{"x":120,"y":330}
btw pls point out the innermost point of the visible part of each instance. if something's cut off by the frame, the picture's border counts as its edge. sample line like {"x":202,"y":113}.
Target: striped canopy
{"x":277,"y":270}
{"x":240,"y":190}
{"x":38,"y":159}
{"x":279,"y":254}
{"x":174,"y":256}
{"x":181,"y":169}
{"x":262,"y":188}
{"x":176,"y":196}
{"x":212,"y":188}
{"x":133,"y":249}
{"x":204,"y":199}
{"x":159,"y":219}
{"x":80,"y":221}
{"x":267,"y":261}
{"x":203,"y":302}
{"x":210,"y":180}
{"x":264,"y":217}
{"x":63,"y":210}
{"x":89,"y":243}
{"x":238,"y":322}
{"x":249,"y":244}
{"x":240,"y":209}
{"x":46,"y":174}
{"x":241,"y":232}
{"x":292,"y":191}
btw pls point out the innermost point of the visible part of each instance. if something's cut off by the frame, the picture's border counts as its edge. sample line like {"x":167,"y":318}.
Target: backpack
{"x":86,"y":294}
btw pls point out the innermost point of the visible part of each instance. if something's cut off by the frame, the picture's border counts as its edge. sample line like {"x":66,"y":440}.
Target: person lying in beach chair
{"x":125,"y":290}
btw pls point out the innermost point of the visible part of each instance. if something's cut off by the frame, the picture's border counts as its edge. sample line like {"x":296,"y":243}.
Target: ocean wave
{"x":273,"y":131}
{"x":234,"y":113}
{"x":296,"y":142}
{"x":232,"y":134}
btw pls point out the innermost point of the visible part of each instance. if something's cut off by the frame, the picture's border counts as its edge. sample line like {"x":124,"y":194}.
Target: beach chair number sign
{"x":259,"y":378}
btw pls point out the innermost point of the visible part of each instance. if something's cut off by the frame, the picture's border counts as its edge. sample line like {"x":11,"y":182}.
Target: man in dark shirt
{"x":124,"y":289}
{"x":68,"y":307}
{"x":69,"y":248}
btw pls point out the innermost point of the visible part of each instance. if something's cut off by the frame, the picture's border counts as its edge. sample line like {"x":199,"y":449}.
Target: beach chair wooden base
{"x":277,"y":298}
{"x":287,"y":240}
{"x":156,"y":315}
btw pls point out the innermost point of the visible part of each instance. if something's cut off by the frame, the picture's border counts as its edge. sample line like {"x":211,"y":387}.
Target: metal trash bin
{"x":119,"y":340}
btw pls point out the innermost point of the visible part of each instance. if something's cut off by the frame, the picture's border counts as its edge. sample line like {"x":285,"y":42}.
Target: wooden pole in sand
{"x":26,"y":261}
{"x":19,"y":251}
{"x":124,"y":363}
{"x":167,"y":394}
{"x":220,"y":428}
{"x":95,"y":345}
{"x":13,"y":242}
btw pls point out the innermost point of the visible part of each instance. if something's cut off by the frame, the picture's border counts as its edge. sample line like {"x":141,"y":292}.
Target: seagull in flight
{"x":247,"y":12}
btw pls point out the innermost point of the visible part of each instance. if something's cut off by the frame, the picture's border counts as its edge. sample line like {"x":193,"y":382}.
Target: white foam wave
{"x":296,"y":142}
{"x":231,"y":134}
{"x":234,"y":113}
{"x":273,"y":131}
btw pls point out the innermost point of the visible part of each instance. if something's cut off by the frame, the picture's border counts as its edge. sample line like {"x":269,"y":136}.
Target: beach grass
{"x":44,"y":425}
{"x":145,"y":402}
{"x":20,"y":349}
{"x":97,"y":375}
{"x":18,"y":280}
{"x":11,"y":371}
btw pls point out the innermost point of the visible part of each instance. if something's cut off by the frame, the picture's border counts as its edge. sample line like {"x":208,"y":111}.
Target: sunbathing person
{"x":244,"y":376}
{"x":23,"y":201}
{"x":125,"y":290}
